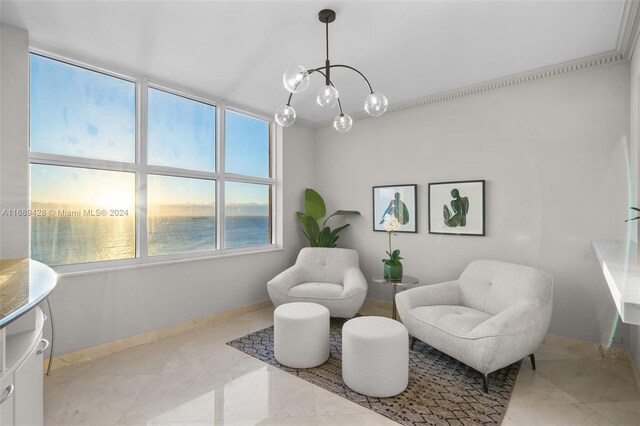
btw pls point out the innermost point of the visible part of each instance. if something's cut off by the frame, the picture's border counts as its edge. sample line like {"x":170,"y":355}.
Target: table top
{"x":620,"y":263}
{"x":23,"y":284}
{"x":406,"y":280}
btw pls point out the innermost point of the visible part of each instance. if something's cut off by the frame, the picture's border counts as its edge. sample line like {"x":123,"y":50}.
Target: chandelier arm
{"x":291,"y":94}
{"x":310,"y":72}
{"x":353,"y":69}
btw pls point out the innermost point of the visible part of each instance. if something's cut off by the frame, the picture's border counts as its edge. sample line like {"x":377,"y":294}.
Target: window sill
{"x":87,"y":269}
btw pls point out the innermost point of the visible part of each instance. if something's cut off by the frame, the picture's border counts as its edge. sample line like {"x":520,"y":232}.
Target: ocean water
{"x":177,"y":234}
{"x":70,"y":240}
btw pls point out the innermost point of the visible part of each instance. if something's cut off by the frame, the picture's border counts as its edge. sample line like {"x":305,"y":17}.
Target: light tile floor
{"x":195,"y":379}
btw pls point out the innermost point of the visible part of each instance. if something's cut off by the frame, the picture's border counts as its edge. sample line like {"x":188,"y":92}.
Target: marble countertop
{"x":23,"y":284}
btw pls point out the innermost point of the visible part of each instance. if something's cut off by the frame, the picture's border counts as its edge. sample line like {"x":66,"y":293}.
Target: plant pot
{"x":393,"y":270}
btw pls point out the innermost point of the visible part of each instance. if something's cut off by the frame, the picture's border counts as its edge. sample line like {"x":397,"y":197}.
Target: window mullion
{"x":86,"y":163}
{"x":220,"y":145}
{"x":249,"y":179}
{"x":142,"y":156}
{"x":171,"y":171}
{"x":275,"y":193}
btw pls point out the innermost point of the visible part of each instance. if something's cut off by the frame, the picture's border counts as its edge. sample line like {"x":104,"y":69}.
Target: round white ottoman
{"x":375,"y":356}
{"x":301,"y":334}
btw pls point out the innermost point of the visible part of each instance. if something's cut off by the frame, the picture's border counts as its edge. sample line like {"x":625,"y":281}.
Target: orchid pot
{"x":393,"y":270}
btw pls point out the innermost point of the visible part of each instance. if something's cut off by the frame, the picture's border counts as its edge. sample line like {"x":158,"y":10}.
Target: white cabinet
{"x":25,"y":283}
{"x":29,"y":394}
{"x":22,"y":381}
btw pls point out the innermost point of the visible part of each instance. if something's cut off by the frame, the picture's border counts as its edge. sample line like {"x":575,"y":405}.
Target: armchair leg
{"x":485,"y":378}
{"x":412,"y":342}
{"x":533,"y":361}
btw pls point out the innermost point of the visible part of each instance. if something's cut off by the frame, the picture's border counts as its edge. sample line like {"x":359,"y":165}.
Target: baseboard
{"x":587,"y":347}
{"x":636,"y":375}
{"x":594,"y":349}
{"x":87,"y":354}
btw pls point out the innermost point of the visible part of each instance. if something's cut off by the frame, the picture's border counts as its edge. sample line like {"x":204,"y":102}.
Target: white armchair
{"x":495,"y":314}
{"x":330,"y":277}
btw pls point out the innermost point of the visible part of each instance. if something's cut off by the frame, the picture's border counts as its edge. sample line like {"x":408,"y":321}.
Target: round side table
{"x":405,"y":281}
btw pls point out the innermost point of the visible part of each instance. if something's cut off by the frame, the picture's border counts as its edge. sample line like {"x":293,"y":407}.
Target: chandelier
{"x":296,"y":80}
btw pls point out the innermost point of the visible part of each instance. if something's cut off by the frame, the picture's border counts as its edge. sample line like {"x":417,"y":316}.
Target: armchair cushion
{"x":317,"y":290}
{"x":457,"y":321}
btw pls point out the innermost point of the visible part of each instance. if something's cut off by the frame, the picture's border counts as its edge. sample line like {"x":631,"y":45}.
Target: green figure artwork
{"x":460,"y":207}
{"x":397,"y":209}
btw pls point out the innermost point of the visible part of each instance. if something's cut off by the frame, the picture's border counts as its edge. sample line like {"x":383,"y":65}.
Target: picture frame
{"x":457,"y":213}
{"x":387,"y":199}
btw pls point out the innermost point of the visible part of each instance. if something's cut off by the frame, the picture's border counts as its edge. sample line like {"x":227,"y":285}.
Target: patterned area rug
{"x":441,"y":391}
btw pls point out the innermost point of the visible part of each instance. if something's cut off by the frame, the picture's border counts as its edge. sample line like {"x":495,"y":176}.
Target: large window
{"x":124,"y":171}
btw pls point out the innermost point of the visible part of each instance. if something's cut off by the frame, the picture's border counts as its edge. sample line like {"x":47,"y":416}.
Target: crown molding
{"x":569,"y":67}
{"x":629,"y":29}
{"x":307,"y":123}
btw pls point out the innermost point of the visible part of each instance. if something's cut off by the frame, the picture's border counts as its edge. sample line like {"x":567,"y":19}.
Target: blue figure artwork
{"x":397,"y":209}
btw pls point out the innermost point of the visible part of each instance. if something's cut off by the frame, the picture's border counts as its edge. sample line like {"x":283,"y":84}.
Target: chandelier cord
{"x":327,"y":65}
{"x":326,"y":26}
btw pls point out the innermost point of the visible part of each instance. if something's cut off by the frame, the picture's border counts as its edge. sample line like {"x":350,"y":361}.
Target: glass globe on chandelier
{"x":296,"y":80}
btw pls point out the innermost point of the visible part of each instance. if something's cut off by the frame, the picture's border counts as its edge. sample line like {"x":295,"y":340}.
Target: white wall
{"x":95,"y":308}
{"x":14,"y":148}
{"x":635,"y":166}
{"x":553,"y":153}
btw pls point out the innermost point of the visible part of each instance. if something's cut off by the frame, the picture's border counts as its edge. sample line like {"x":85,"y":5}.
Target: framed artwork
{"x":457,"y":208}
{"x":399,"y":201}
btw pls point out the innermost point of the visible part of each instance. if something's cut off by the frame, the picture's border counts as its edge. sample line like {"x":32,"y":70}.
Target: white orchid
{"x":391,"y":223}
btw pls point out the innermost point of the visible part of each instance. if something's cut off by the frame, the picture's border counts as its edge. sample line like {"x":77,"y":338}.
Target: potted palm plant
{"x":314,"y":211}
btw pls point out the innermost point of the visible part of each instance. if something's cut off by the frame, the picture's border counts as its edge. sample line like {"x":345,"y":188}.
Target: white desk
{"x":620,"y":264}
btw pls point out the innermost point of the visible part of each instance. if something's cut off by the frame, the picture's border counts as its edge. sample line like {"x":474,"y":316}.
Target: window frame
{"x":142,"y":170}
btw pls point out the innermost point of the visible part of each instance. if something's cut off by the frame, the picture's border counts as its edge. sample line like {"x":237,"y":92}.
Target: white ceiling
{"x":237,"y":50}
